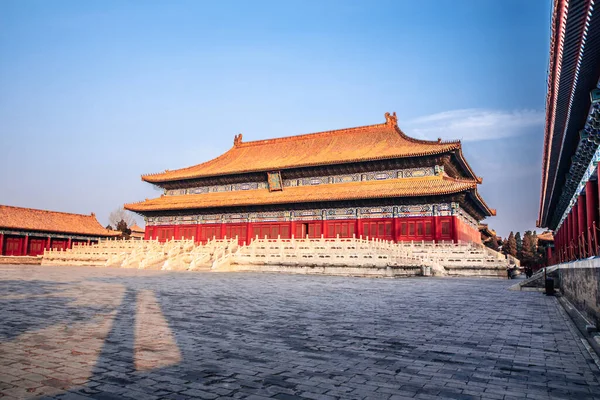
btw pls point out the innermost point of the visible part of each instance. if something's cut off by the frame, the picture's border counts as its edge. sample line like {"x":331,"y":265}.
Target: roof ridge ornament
{"x":391,"y":119}
{"x":237,"y":140}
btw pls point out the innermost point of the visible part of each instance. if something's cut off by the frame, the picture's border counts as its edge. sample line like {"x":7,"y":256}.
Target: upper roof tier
{"x":365,"y":143}
{"x":389,"y":188}
{"x":31,"y":219}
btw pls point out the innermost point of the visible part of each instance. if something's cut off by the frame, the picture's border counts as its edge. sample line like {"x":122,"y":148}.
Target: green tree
{"x":109,"y":226}
{"x":510,"y":245}
{"x":122,"y":226}
{"x":538,"y":252}
{"x":519,"y":241}
{"x":528,"y":255}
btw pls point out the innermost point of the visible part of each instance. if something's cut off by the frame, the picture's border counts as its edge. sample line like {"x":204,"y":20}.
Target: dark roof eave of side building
{"x":565,"y":118}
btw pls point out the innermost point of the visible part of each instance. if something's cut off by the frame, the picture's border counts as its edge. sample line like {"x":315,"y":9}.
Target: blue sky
{"x":96,"y":93}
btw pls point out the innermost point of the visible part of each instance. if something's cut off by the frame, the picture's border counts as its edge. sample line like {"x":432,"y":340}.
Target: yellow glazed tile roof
{"x":136,"y":228}
{"x":546,"y":236}
{"x":405,"y":187}
{"x":31,"y":219}
{"x":373,"y":142}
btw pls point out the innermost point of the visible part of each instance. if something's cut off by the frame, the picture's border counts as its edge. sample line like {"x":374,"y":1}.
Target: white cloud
{"x":475,"y":124}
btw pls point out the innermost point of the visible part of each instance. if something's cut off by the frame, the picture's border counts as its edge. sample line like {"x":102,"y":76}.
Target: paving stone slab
{"x":78,"y":332}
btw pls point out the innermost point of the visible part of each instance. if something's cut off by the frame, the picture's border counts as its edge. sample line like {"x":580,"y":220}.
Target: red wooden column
{"x":559,"y":239}
{"x":573,"y":218}
{"x":565,"y":237}
{"x":1,"y":244}
{"x":591,"y":194}
{"x":561,"y":245}
{"x":454,"y":230}
{"x":558,"y":244}
{"x":248,"y":237}
{"x":575,"y":221}
{"x":581,"y":217}
{"x":26,"y":244}
{"x":48,"y":243}
{"x":292,"y":229}
{"x":396,"y":229}
{"x":69,"y":244}
{"x":567,"y":224}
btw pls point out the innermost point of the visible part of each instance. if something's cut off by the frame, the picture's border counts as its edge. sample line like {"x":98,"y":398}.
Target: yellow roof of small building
{"x":136,"y":228}
{"x":31,"y":219}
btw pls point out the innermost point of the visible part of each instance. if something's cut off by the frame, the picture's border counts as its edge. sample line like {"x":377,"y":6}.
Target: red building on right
{"x":569,"y":193}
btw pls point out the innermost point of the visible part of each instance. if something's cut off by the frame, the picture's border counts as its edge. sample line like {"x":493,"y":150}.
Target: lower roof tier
{"x":391,"y":188}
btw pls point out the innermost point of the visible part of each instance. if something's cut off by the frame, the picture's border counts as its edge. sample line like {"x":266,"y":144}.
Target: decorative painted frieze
{"x":466,"y":217}
{"x":218,"y":188}
{"x":398,"y":211}
{"x":366,"y":176}
{"x":314,"y":180}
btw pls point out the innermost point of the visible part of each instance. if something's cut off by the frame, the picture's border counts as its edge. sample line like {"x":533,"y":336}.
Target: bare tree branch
{"x":121,"y":214}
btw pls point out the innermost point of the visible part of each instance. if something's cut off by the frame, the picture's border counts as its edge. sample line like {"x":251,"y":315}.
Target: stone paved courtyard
{"x":76,"y":333}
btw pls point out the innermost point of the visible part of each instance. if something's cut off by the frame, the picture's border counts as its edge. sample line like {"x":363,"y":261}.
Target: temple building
{"x":372,"y":181}
{"x":136,"y":232}
{"x":28,"y":232}
{"x":569,"y":193}
{"x":487,"y":234}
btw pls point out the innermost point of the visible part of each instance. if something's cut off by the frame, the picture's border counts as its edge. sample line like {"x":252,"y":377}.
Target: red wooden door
{"x":208,"y":232}
{"x":343,"y":229}
{"x":58,"y":244}
{"x":381,"y":229}
{"x":446,"y":229}
{"x":12,"y":246}
{"x":239,"y":231}
{"x":36,"y":247}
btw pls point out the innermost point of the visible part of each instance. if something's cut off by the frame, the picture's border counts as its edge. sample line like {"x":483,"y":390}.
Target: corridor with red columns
{"x":577,"y":236}
{"x":569,"y":186}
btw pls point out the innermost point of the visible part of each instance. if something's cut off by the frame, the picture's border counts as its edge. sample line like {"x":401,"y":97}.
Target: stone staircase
{"x":462,"y":259}
{"x":536,"y":281}
{"x":357,"y":256}
{"x":172,"y":255}
{"x":339,"y":256}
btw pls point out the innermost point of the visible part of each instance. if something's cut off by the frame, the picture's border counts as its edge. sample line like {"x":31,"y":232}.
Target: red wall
{"x":397,"y":229}
{"x":13,"y":245}
{"x":465,"y":233}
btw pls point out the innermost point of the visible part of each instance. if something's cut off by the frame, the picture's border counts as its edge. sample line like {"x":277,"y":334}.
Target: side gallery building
{"x":28,"y":231}
{"x":569,"y":194}
{"x":372,"y":181}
